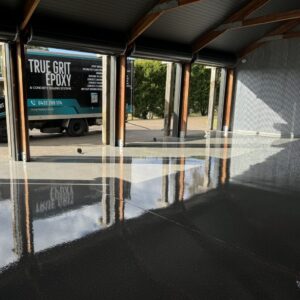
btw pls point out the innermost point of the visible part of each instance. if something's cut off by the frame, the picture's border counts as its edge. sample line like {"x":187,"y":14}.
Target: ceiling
{"x":105,"y":25}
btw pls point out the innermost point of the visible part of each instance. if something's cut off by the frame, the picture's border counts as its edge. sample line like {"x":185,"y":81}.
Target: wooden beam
{"x":29,"y":9}
{"x":157,"y":11}
{"x":291,"y":35}
{"x":274,"y":34}
{"x":272,"y":18}
{"x":235,"y":18}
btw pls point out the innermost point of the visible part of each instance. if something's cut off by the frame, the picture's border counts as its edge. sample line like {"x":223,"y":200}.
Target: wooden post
{"x":228,"y":102}
{"x":22,"y":100}
{"x":169,"y":97}
{"x":121,"y":101}
{"x":185,"y":99}
{"x":212,"y":97}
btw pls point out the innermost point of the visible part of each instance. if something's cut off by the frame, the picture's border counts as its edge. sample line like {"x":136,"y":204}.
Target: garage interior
{"x":209,"y":216}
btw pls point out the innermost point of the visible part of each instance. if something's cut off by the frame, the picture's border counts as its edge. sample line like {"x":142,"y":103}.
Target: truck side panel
{"x":63,"y":85}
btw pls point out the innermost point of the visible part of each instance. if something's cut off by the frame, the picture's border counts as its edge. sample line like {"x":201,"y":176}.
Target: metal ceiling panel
{"x":186,"y":23}
{"x":236,"y":40}
{"x":216,"y":58}
{"x":160,"y":50}
{"x":76,"y":36}
{"x":274,"y":6}
{"x":103,"y":25}
{"x":111,"y":14}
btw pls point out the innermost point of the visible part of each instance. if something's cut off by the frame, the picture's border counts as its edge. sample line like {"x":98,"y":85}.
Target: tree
{"x":149,"y":88}
{"x":199,"y":89}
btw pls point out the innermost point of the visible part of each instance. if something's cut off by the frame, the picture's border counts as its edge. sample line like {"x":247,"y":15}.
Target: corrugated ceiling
{"x":185,"y":24}
{"x":236,"y":40}
{"x":110,"y":14}
{"x":109,"y":22}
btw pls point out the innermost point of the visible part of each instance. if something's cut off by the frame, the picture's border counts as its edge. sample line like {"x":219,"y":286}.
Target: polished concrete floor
{"x":207,"y":218}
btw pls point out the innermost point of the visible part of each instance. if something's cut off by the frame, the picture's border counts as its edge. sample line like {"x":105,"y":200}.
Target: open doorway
{"x":146,"y":122}
{"x":64,"y":93}
{"x":204,"y":99}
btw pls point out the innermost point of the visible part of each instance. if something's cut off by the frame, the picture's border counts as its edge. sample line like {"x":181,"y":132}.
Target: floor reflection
{"x":214,"y":227}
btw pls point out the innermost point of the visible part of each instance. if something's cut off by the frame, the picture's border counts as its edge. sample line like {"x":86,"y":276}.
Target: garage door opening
{"x":145,"y":123}
{"x":64,"y":98}
{"x":205,"y":105}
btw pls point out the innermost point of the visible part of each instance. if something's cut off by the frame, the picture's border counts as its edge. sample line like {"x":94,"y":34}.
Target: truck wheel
{"x":77,"y":127}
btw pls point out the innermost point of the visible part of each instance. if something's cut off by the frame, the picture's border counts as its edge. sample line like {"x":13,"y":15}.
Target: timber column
{"x":22,"y":100}
{"x":228,"y":100}
{"x":185,"y":99}
{"x":121,"y":101}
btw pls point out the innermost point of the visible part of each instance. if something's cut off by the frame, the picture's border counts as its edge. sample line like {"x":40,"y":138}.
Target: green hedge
{"x":149,"y":88}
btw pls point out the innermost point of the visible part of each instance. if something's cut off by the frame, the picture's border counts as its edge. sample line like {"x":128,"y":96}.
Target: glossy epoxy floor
{"x":211,"y":218}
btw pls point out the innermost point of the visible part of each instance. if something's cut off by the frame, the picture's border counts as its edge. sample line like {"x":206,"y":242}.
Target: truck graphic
{"x":64,"y":92}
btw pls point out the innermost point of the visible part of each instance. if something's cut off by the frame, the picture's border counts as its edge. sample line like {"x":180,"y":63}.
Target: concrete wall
{"x":267,"y":96}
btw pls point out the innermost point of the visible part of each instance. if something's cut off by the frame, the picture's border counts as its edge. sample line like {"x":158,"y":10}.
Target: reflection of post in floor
{"x":106,"y":198}
{"x":180,"y":180}
{"x":23,"y":232}
{"x":225,"y":162}
{"x":165,"y":180}
{"x":206,"y":181}
{"x":120,"y":201}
